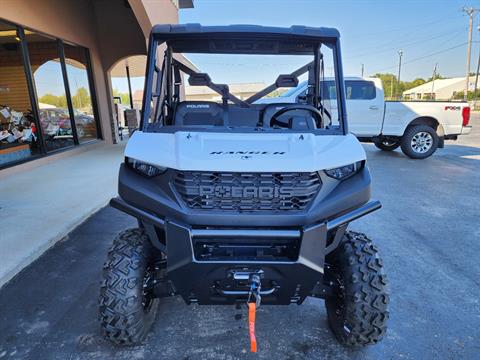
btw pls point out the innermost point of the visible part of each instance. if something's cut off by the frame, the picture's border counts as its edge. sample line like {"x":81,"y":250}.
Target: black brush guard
{"x":215,"y":265}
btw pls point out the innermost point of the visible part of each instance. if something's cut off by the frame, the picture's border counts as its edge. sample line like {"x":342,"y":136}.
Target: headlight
{"x":344,"y":172}
{"x":144,"y":168}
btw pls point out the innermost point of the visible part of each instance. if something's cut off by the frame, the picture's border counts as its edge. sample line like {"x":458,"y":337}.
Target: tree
{"x":81,"y":99}
{"x":459,"y":95}
{"x":123,"y":96}
{"x":389,"y":83}
{"x":57,"y":101}
{"x":437,"y":77}
{"x":415,"y":83}
{"x":397,"y":90}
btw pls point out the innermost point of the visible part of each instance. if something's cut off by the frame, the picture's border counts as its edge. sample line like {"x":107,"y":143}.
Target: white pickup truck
{"x":419,"y":127}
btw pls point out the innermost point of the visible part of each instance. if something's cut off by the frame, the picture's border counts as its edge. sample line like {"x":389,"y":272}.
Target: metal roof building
{"x":440,"y":89}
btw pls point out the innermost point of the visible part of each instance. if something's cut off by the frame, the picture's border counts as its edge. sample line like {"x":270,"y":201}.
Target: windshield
{"x":205,"y":90}
{"x":244,"y":74}
{"x":292,"y":91}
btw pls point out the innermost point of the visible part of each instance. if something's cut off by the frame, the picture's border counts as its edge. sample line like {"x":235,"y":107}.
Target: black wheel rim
{"x":337,"y":306}
{"x":340,"y":297}
{"x":147,"y":288}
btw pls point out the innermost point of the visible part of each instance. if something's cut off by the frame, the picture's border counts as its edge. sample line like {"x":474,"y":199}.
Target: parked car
{"x":418,"y":127}
{"x":57,"y":120}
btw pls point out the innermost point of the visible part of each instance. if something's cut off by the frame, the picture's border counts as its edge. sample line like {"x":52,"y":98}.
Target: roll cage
{"x":162,"y":84}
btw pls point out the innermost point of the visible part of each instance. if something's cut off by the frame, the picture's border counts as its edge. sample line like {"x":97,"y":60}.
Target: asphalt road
{"x":428,"y":234}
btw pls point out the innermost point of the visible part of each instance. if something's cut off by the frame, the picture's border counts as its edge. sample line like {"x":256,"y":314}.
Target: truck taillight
{"x":466,"y":115}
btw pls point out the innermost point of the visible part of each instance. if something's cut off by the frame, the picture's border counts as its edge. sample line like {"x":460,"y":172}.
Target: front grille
{"x":247,"y":191}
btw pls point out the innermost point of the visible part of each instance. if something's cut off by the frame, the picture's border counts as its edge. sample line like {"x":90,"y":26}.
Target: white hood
{"x":246,"y":152}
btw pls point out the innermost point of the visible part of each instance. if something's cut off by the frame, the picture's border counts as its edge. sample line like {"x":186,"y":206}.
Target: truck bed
{"x":398,"y":114}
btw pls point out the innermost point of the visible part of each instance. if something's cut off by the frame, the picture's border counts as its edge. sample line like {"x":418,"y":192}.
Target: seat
{"x":198,"y":113}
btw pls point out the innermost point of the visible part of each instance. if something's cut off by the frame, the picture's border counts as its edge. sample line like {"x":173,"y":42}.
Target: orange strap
{"x":251,"y":326}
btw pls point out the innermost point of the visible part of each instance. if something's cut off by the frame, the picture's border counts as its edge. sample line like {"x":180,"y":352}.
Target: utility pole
{"x":433,"y":80}
{"x":476,"y":77}
{"x":471,"y":13}
{"x":363,"y":68}
{"x":400,"y":53}
{"x":391,"y":87}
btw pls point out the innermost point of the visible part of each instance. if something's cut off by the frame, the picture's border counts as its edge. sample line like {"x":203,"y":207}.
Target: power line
{"x":407,"y":44}
{"x":436,"y":53}
{"x":416,"y":26}
{"x":425,"y":56}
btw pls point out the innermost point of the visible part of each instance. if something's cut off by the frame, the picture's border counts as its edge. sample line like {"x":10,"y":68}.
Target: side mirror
{"x":199,"y":79}
{"x":286,"y":80}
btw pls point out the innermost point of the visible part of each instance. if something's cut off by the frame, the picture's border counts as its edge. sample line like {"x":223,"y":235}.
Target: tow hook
{"x":255,"y":288}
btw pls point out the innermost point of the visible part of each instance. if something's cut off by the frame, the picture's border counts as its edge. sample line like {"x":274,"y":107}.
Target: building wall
{"x":447,"y":92}
{"x":442,"y":91}
{"x":108,"y":28}
{"x":73,"y":21}
{"x":14,"y":76}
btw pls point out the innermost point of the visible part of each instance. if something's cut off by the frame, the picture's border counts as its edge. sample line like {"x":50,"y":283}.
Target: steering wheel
{"x":273,"y":120}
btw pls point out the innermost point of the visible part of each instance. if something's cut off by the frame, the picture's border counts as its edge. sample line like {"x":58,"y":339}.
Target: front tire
{"x":357,"y":313}
{"x":127,"y":305}
{"x":419,"y":141}
{"x":386,"y":145}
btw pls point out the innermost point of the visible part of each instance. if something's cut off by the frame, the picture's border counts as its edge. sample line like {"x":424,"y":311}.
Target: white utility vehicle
{"x":240,"y":202}
{"x":419,"y":127}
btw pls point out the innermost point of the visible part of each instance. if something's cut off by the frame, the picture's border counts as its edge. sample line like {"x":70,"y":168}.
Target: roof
{"x":185,"y":4}
{"x":168,"y":31}
{"x":439,"y":83}
{"x":244,"y":39}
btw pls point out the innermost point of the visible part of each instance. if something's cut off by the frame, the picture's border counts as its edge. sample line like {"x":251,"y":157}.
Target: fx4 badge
{"x":455,"y":108}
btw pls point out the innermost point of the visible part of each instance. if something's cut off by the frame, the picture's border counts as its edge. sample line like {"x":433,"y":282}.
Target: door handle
{"x":373,"y":107}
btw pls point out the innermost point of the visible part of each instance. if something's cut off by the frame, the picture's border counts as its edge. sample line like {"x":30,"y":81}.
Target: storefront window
{"x":18,"y":132}
{"x":76,"y":63}
{"x":47,"y":100}
{"x":52,"y":101}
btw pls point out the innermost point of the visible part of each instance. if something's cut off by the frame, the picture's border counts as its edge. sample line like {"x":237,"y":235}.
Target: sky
{"x":49,"y":80}
{"x":372,"y":31}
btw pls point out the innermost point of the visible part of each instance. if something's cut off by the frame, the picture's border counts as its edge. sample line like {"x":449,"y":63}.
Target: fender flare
{"x":427,"y":120}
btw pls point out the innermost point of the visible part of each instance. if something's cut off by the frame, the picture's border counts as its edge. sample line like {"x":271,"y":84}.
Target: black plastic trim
{"x":157,"y":196}
{"x":239,"y":233}
{"x":354,"y":214}
{"x":121,"y":205}
{"x":331,"y":224}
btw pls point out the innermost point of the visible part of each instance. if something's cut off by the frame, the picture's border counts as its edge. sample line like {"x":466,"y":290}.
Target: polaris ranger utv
{"x":239,"y":202}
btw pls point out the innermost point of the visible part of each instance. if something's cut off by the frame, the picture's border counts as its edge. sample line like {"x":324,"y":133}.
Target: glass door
{"x":76,"y":61}
{"x":19,"y":138}
{"x":55,"y":122}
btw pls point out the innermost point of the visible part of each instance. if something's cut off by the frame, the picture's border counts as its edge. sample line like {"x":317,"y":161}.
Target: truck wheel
{"x":386,"y":145}
{"x":357,"y":313}
{"x":127,"y":305}
{"x":419,"y":141}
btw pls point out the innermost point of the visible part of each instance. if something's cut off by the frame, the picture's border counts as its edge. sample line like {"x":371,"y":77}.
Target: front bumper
{"x":212,"y":265}
{"x":211,"y":254}
{"x":158,"y":196}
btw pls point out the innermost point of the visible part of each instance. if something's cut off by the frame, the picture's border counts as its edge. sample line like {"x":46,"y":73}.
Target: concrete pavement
{"x":428,"y":235}
{"x":42,"y":205}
